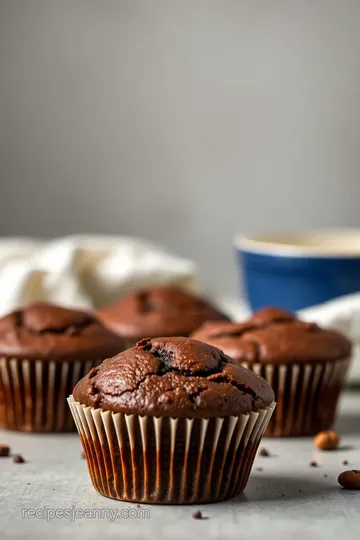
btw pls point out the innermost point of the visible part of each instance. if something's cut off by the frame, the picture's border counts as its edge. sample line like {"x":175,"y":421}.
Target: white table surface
{"x":286,"y":500}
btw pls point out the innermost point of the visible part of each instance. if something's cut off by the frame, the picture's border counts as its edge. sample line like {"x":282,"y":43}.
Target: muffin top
{"x":174,"y":377}
{"x":159,"y":310}
{"x":45,"y":331}
{"x":275,"y":336}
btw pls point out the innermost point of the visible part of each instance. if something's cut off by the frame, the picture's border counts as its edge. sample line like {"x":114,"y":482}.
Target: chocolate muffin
{"x":163,"y":310}
{"x":305,"y":364}
{"x":171,"y":420}
{"x":44,"y":350}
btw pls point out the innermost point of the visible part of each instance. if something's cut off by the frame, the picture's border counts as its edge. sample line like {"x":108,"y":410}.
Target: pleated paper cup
{"x":33,"y":393}
{"x":306,"y":394}
{"x":168,"y":460}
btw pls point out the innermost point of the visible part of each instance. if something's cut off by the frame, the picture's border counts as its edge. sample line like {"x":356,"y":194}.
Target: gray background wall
{"x":181,"y":121}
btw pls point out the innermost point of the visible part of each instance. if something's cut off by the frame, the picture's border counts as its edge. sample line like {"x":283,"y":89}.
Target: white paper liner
{"x":306,"y":394}
{"x":33,"y":393}
{"x":168,"y":460}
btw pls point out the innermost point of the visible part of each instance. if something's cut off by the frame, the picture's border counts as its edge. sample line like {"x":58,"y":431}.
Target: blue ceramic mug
{"x":297,"y":271}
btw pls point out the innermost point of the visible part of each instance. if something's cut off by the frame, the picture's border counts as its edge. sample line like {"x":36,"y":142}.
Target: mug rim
{"x":331,"y":243}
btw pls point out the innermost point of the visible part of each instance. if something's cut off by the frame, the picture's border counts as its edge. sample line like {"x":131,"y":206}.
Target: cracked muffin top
{"x":45,"y":331}
{"x":173,"y":377}
{"x":275,"y":336}
{"x":163,"y":310}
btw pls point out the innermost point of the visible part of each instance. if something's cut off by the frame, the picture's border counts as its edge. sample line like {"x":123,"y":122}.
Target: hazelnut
{"x":350,"y":479}
{"x":327,"y":440}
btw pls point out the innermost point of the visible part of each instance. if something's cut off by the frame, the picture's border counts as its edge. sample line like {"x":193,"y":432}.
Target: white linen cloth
{"x":84,"y":271}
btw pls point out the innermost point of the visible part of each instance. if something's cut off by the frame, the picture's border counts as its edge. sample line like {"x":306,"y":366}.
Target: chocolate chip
{"x":349,"y":479}
{"x":18,"y":459}
{"x":4,"y":450}
{"x":263,"y":452}
{"x":197,"y":515}
{"x":144,"y":343}
{"x":313,"y":464}
{"x":345,"y":462}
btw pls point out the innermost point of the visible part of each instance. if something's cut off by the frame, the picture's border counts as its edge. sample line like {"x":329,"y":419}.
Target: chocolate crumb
{"x":345,"y":462}
{"x":263,"y":452}
{"x":259,"y":469}
{"x":4,"y":450}
{"x":18,"y":459}
{"x":138,"y":506}
{"x":197,"y":515}
{"x":83,"y":455}
{"x":313,"y":464}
